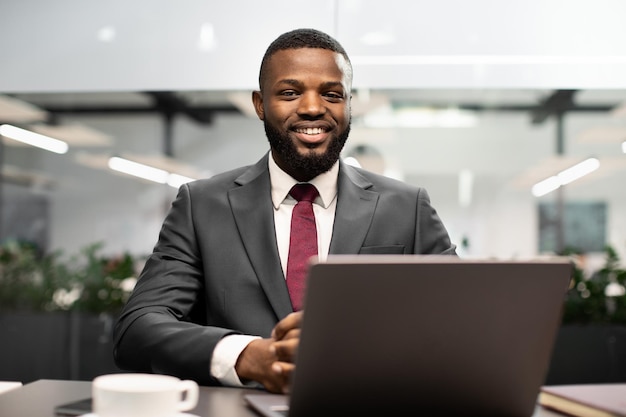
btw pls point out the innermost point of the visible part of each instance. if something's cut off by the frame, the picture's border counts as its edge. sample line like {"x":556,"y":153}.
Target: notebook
{"x":433,"y":334}
{"x":601,"y":400}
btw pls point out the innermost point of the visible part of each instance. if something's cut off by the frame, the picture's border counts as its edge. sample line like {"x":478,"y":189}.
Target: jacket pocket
{"x":382,"y":250}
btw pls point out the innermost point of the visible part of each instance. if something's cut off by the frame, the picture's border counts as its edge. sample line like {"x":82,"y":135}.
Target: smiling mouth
{"x":311,"y":131}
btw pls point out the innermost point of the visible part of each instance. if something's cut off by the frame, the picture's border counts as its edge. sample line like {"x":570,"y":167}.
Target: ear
{"x":257,"y":101}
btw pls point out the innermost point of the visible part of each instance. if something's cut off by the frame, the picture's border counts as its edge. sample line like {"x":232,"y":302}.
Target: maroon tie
{"x":302,"y":241}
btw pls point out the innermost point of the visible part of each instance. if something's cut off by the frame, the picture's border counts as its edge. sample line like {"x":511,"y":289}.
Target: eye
{"x":288,"y":93}
{"x":333,"y":96}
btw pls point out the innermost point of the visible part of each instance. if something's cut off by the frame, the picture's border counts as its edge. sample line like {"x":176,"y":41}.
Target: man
{"x":213,"y":303}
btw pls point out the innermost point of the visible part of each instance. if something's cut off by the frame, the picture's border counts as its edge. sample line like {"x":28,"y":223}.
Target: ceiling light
{"x":34,"y":139}
{"x":565,"y":177}
{"x":106,"y":34}
{"x":624,"y":146}
{"x":138,"y":170}
{"x":579,"y":170}
{"x":206,"y":39}
{"x":546,"y":186}
{"x":176,"y":180}
{"x":147,"y":172}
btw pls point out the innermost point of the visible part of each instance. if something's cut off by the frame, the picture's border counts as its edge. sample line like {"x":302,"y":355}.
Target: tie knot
{"x":304,"y":192}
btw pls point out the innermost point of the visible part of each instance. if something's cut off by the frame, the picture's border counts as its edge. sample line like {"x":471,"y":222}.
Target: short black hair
{"x":302,"y":38}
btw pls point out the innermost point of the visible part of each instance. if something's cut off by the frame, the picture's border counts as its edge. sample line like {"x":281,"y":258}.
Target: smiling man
{"x":219,"y":300}
{"x":304,"y":103}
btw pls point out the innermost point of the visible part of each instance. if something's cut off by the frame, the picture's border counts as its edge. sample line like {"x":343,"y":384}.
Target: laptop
{"x":425,"y":334}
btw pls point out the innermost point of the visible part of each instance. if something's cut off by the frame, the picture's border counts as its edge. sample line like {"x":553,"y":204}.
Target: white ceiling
{"x":151,"y":45}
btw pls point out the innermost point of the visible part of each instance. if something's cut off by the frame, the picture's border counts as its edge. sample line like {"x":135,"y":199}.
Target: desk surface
{"x":39,"y":398}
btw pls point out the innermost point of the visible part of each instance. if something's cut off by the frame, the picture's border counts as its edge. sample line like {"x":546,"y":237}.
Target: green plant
{"x":28,"y":280}
{"x":88,"y":281}
{"x":599,"y":298}
{"x":102,"y":281}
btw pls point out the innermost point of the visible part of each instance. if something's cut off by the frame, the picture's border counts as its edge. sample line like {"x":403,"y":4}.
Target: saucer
{"x":176,"y":415}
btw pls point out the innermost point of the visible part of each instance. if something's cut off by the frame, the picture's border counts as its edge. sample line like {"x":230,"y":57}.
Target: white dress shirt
{"x":230,"y":347}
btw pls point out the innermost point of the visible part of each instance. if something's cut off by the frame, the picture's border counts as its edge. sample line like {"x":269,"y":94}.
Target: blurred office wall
{"x":93,"y":47}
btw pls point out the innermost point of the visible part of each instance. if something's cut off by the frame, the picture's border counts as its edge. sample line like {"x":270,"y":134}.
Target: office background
{"x":474,"y":100}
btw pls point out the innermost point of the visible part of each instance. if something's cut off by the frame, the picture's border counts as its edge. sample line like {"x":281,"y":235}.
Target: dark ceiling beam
{"x":518,"y":108}
{"x":523,"y":108}
{"x":165,"y":103}
{"x":556,"y":104}
{"x":170,"y":104}
{"x":214,"y":109}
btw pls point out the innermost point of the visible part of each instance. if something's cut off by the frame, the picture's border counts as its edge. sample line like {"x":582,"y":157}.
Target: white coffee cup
{"x":142,"y":395}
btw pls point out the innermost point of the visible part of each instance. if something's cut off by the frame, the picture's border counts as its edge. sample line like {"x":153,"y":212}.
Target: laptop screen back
{"x":438,"y":335}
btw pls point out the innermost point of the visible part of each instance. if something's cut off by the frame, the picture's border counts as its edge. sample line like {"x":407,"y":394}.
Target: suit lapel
{"x":252,"y":208}
{"x":356,"y":205}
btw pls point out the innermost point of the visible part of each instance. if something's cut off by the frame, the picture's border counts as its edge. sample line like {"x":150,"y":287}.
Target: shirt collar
{"x":281,"y":183}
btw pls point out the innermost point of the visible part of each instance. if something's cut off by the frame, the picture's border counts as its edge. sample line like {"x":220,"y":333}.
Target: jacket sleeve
{"x":155,"y":332}
{"x":431,"y":236}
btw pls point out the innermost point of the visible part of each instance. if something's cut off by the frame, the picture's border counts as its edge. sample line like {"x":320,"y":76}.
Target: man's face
{"x":305,"y":107}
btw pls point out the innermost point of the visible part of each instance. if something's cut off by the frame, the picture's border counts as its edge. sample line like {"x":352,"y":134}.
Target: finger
{"x":285,"y":371}
{"x":291,"y":334}
{"x":291,"y":321}
{"x":256,"y":363}
{"x":285,"y":350}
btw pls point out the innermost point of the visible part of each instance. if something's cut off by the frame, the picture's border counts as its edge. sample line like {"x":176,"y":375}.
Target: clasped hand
{"x":271,"y":361}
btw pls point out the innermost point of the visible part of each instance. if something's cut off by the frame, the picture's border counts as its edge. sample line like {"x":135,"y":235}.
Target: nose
{"x":311,"y":104}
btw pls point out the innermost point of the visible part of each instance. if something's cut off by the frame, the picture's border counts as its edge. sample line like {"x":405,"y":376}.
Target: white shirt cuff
{"x":225,"y":357}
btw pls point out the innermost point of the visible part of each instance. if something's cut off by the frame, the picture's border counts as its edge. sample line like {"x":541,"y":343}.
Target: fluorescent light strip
{"x":138,"y":170}
{"x":486,"y":60}
{"x":546,"y":186}
{"x":624,"y":146}
{"x":565,"y":177}
{"x":147,"y":172}
{"x":34,"y":139}
{"x":176,"y":180}
{"x":579,"y":170}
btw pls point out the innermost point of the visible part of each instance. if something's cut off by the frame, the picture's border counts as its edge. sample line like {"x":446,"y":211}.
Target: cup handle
{"x":191,"y":390}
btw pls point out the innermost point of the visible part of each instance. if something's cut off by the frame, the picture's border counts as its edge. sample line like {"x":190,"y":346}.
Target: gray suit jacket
{"x":216,"y":270}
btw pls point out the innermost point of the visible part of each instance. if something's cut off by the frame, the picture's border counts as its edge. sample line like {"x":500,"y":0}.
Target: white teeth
{"x":311,"y":130}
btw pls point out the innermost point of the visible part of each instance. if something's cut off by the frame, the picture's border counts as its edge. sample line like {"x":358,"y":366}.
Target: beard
{"x":309,"y":165}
